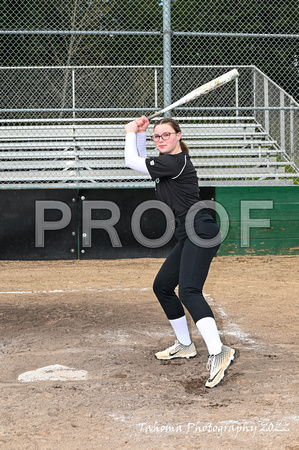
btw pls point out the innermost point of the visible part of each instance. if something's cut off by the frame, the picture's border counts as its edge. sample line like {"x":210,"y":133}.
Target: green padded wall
{"x":276,"y":206}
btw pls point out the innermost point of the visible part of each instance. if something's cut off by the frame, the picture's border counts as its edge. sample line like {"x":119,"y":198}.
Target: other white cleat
{"x":177,"y":350}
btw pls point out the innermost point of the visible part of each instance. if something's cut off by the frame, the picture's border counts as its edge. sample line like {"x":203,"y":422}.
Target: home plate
{"x":53,"y":373}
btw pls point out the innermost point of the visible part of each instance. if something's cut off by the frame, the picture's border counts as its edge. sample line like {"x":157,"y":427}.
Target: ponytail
{"x":184,"y":146}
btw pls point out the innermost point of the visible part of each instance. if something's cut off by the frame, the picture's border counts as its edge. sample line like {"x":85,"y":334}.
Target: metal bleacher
{"x":230,"y":151}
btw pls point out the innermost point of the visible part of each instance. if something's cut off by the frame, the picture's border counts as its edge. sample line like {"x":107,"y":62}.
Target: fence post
{"x":167,"y":54}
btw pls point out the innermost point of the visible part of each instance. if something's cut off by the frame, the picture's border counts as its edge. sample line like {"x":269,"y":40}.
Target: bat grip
{"x":154,"y":115}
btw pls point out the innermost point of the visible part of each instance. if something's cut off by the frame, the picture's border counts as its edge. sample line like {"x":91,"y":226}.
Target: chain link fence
{"x":73,"y":72}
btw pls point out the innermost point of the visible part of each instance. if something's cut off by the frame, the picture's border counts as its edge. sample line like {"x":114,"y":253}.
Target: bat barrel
{"x":208,"y":87}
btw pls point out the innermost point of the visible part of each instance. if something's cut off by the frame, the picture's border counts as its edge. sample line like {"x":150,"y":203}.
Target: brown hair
{"x":176,"y":127}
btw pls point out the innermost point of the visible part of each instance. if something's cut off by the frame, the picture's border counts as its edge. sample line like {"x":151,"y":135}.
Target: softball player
{"x":188,"y":263}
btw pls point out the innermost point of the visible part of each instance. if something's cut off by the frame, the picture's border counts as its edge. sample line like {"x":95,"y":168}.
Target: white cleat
{"x":217,"y":365}
{"x":177,"y":350}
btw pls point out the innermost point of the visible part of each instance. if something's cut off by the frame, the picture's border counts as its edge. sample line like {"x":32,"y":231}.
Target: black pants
{"x":187,"y":266}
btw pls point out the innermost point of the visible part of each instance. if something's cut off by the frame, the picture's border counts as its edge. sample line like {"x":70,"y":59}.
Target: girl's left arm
{"x":141,"y":144}
{"x":132,"y":159}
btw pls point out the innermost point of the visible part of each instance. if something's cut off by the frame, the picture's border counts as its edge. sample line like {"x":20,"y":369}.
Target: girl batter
{"x":188,"y":263}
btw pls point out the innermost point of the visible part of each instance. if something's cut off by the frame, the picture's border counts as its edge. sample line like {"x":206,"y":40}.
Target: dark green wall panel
{"x":281,"y":237}
{"x":260,"y":247}
{"x":276,"y":230}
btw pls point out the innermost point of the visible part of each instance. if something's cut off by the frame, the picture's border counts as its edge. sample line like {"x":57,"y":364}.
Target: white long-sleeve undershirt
{"x":141,"y":144}
{"x":135,"y":151}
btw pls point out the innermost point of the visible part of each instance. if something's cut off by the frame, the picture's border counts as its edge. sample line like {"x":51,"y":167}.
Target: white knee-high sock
{"x":208,"y":329}
{"x":180,"y":328}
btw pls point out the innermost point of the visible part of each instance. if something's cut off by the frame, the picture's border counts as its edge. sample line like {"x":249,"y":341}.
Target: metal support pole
{"x":73,"y":92}
{"x":266,"y":104}
{"x":167,"y":54}
{"x":254,"y":92}
{"x":156,"y":88}
{"x":282,"y":122}
{"x":292,"y":147}
{"x":74,"y":125}
{"x":237,"y":97}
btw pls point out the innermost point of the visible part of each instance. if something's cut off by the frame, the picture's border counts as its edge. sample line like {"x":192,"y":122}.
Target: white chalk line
{"x":55,"y":291}
{"x":232,"y":328}
{"x":57,"y":372}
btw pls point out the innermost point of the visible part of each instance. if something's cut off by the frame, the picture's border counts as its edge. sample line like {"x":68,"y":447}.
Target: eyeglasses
{"x":164,"y":136}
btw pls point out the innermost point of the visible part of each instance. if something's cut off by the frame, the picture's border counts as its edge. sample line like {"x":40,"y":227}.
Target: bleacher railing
{"x":64,"y":97}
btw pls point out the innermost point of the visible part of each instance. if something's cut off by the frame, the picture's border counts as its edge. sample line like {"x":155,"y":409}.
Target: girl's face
{"x":169,"y":146}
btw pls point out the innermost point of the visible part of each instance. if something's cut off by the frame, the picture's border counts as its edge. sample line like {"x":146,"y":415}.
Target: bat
{"x":204,"y":89}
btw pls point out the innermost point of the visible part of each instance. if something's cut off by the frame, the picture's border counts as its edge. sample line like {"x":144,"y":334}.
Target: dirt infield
{"x":101,"y":317}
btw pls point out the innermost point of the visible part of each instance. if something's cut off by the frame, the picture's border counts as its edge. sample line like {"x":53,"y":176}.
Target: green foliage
{"x":274,"y":56}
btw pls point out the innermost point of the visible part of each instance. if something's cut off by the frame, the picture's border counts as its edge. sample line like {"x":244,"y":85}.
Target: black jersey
{"x":176,"y":181}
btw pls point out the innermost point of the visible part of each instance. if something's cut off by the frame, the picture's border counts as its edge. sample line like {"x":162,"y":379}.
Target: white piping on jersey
{"x":173,"y":178}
